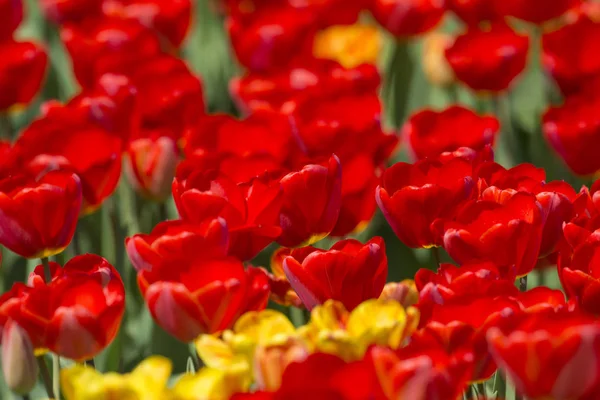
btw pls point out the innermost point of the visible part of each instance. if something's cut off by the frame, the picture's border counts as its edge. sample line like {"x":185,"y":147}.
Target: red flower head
{"x":202,"y":296}
{"x":569,"y":56}
{"x":488,"y":60}
{"x":176,"y":242}
{"x":171,"y":18}
{"x":556,"y":198}
{"x":550,"y":354}
{"x":281,"y":290}
{"x":349,"y":272}
{"x":10,"y":308}
{"x":311,"y":203}
{"x":573,"y":130}
{"x":251,"y":210}
{"x":112,"y":104}
{"x":313,"y":79}
{"x":63,"y":11}
{"x":414,"y":196}
{"x":22,"y":72}
{"x":79,"y":312}
{"x":273,"y":38}
{"x":150,"y":165}
{"x":408,"y":17}
{"x":93,"y":153}
{"x":535,"y":11}
{"x":99,"y":46}
{"x":579,"y":265}
{"x":472,"y":12}
{"x":38,"y":216}
{"x":431,"y":133}
{"x":420,"y":374}
{"x":12,"y":15}
{"x":483,"y":227}
{"x":170,"y":96}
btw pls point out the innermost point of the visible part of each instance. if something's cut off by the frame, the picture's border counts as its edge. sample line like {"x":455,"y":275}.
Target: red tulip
{"x":569,"y":56}
{"x":38,"y":216}
{"x":316,"y":78}
{"x":556,"y":198}
{"x":273,"y":38}
{"x":507,"y":231}
{"x":150,"y":165}
{"x":251,"y":210}
{"x":99,"y":46}
{"x":22,"y":72}
{"x":176,"y":242}
{"x":112,"y":103}
{"x":413,"y":197}
{"x":12,"y":15}
{"x":10,"y":308}
{"x":550,"y":354}
{"x":8,"y":158}
{"x":281,"y":290}
{"x":170,"y":18}
{"x":63,"y":11}
{"x":535,"y":11}
{"x":431,"y":133}
{"x":85,"y":149}
{"x":573,"y":130}
{"x":201,"y":296}
{"x":79,"y":312}
{"x":404,"y":18}
{"x":349,"y":272}
{"x":425,"y":374}
{"x":311,"y":203}
{"x":473,"y":12}
{"x":170,"y":96}
{"x":488,"y":60}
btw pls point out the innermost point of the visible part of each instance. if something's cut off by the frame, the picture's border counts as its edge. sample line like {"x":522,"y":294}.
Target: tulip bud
{"x":404,"y":292}
{"x":436,"y":67}
{"x":271,"y":360}
{"x":18,"y":360}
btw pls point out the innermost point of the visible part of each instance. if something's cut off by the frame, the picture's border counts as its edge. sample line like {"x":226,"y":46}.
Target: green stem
{"x":47,"y":272}
{"x":163,"y":214}
{"x":56,"y":376}
{"x":297,"y":316}
{"x":7,"y":130}
{"x":45,"y":376}
{"x":436,"y":256}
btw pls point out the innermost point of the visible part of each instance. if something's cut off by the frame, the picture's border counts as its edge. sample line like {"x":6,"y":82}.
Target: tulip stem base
{"x":45,"y":376}
{"x":56,"y":376}
{"x":523,"y":284}
{"x":47,"y":272}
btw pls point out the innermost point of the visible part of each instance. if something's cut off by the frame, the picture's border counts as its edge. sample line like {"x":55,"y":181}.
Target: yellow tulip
{"x":350,"y":45}
{"x":209,"y":384}
{"x":334,"y":330}
{"x":148,"y":381}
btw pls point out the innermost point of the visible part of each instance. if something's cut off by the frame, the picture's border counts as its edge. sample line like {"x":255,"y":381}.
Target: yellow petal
{"x":350,"y":45}
{"x":331,"y":315}
{"x":209,"y":384}
{"x":261,"y":326}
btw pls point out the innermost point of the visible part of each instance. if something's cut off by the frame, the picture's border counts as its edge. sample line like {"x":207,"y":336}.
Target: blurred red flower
{"x":63,"y":11}
{"x":413,"y":197}
{"x":506,"y":230}
{"x":12,"y":15}
{"x":99,"y":46}
{"x":84,"y":148}
{"x":488,"y":60}
{"x":431,"y":132}
{"x":171,"y":18}
{"x":22,"y":72}
{"x":573,"y":131}
{"x":404,"y":18}
{"x":473,"y":12}
{"x":569,"y":54}
{"x":535,"y":11}
{"x":38,"y":216}
{"x":550,"y":354}
{"x":349,"y":272}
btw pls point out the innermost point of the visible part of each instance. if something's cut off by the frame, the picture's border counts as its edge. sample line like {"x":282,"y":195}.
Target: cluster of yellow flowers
{"x":256,"y":351}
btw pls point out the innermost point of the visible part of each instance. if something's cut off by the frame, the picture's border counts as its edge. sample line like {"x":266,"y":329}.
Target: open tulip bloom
{"x":281,"y":200}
